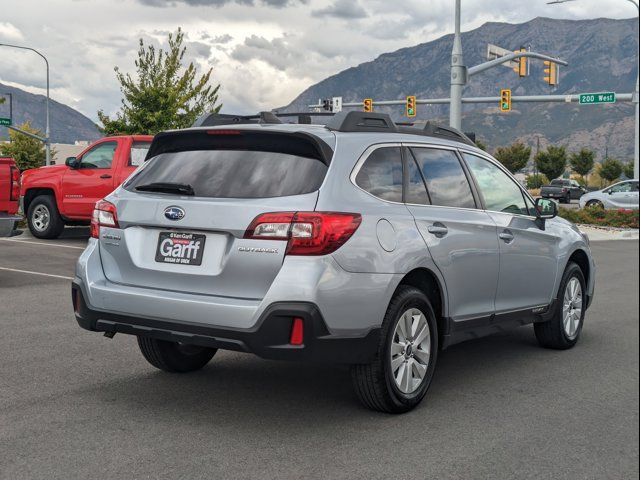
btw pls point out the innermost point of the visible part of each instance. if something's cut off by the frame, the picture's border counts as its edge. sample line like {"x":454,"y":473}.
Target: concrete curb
{"x":599,"y":234}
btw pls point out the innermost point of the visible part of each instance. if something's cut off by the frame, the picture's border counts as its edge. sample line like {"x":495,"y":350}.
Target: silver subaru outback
{"x":360,"y":242}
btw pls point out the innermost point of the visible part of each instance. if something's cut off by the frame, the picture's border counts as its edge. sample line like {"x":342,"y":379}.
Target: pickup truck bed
{"x":9,"y":196}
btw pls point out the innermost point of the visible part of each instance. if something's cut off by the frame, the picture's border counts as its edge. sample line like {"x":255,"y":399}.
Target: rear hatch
{"x":183,"y":216}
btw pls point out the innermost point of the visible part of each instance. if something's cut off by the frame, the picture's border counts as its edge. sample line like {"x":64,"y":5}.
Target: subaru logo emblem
{"x":174,"y":213}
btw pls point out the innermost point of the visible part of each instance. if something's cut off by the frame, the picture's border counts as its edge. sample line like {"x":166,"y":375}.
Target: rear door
{"x":235,"y":177}
{"x":460,"y":237}
{"x":623,"y":195}
{"x":93,"y":180}
{"x":528,"y":254}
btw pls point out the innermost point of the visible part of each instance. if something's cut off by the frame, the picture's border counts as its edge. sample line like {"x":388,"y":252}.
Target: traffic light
{"x":368,"y":105}
{"x":505,"y":100}
{"x":411,"y":106}
{"x":522,"y":67}
{"x":551,"y":72}
{"x":326,"y":104}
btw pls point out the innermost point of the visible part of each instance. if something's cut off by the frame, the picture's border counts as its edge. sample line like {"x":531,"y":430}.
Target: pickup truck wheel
{"x":563,"y":330}
{"x":174,"y":357}
{"x":43,"y":217}
{"x":400,"y":375}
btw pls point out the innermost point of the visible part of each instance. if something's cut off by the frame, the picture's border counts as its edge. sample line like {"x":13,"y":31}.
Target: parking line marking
{"x":35,"y":273}
{"x":41,"y":243}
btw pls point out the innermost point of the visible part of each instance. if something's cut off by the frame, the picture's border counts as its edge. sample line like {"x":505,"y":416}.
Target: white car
{"x":619,"y":195}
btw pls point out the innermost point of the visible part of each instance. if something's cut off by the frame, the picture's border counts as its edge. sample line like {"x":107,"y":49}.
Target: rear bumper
{"x":268,"y":338}
{"x":7,"y":222}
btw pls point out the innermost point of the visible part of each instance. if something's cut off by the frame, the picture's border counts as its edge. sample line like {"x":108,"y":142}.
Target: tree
{"x":552,"y":162}
{"x":515,"y":157}
{"x":627,"y":169}
{"x":481,"y":145}
{"x":164,"y":95}
{"x":582,"y":162}
{"x":611,"y":169}
{"x":26,"y":151}
{"x":536,"y":181}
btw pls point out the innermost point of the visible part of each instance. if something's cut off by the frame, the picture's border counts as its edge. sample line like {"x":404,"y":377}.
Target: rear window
{"x":234,"y":173}
{"x":559,"y":183}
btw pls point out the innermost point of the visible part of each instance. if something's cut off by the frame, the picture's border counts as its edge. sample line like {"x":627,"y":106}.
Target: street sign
{"x":494,"y":51}
{"x":5,"y":122}
{"x":600,"y":97}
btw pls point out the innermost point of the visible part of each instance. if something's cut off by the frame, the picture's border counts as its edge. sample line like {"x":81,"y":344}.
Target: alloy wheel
{"x":572,"y":308}
{"x":410,"y":350}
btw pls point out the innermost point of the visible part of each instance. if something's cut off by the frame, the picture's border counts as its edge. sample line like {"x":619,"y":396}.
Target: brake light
{"x":104,"y":215}
{"x":14,"y":188}
{"x":307,"y":233}
{"x":223,"y":132}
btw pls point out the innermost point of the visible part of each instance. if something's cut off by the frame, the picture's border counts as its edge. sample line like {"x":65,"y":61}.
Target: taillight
{"x":104,"y":215}
{"x":14,"y":192}
{"x":307,"y":233}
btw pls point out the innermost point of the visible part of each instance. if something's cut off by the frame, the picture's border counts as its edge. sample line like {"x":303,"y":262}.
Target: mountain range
{"x":66,"y":124}
{"x":601,"y":55}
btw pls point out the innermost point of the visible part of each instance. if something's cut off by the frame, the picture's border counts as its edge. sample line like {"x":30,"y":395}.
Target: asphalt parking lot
{"x":74,"y":404}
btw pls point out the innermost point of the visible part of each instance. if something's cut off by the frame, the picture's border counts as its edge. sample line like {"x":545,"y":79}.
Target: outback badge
{"x":174,"y":213}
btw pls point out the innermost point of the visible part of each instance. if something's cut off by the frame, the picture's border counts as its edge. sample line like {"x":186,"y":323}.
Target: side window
{"x":500,"y":192}
{"x":621,"y":188}
{"x":381,"y":174}
{"x":634,"y":187}
{"x":138,"y":153}
{"x":447,"y":184}
{"x":100,"y":156}
{"x":416,"y":190}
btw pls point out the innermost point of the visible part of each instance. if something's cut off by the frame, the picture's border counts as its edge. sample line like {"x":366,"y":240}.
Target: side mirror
{"x":546,"y":208}
{"x":72,"y":162}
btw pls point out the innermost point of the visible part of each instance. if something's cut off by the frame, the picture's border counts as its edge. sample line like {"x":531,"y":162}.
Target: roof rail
{"x":361,"y":122}
{"x":216,"y":119}
{"x":434,"y":130}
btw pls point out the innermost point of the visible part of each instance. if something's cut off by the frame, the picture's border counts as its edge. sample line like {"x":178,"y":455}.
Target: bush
{"x":536,"y":181}
{"x":605,"y":218}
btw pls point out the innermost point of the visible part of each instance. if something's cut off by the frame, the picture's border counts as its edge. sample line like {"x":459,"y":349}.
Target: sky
{"x":263,"y":52}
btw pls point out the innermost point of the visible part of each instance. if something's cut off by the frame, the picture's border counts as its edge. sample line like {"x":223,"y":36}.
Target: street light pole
{"x":47,"y":144}
{"x":635,"y":95}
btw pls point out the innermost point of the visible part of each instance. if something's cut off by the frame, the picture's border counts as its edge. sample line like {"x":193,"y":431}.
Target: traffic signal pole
{"x":460,"y":74}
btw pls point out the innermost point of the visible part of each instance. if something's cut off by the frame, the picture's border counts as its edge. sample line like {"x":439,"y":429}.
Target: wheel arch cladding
{"x":428,"y":283}
{"x":581,"y":258}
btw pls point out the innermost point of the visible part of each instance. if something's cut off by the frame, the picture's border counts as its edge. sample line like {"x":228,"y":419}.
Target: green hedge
{"x":605,"y":218}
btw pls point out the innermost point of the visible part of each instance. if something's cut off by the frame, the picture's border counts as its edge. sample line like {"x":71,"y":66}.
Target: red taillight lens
{"x":308,"y":233}
{"x":104,"y":215}
{"x":14,"y":193}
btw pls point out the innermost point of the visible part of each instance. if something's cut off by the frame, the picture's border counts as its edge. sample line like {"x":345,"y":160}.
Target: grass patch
{"x":620,"y":218}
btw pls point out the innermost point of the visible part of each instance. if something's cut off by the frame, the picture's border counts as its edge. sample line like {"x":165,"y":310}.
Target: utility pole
{"x":46,"y":139}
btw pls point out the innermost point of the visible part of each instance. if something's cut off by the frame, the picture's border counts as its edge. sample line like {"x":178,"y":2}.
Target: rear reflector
{"x":297,"y":332}
{"x":307,"y":233}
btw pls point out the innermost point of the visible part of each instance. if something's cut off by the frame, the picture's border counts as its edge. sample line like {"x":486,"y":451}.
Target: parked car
{"x":59,"y":195}
{"x":360,"y":242}
{"x":620,"y":195}
{"x":563,"y":190}
{"x":9,"y":197}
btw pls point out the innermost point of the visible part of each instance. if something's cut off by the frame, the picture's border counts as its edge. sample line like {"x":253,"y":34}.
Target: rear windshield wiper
{"x":167,"y":187}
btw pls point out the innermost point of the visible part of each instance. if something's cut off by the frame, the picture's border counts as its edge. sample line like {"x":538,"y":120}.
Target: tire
{"x":375,"y":383}
{"x":567,"y":199}
{"x":556,"y":333}
{"x":43,"y":217}
{"x":594,"y":204}
{"x":174,"y":357}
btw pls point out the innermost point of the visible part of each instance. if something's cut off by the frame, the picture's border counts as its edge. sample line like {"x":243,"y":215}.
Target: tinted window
{"x":235,"y":174}
{"x":381,"y":174}
{"x":138,"y":153}
{"x":416,"y":192}
{"x":100,"y":156}
{"x":500,"y":192}
{"x":447,"y":184}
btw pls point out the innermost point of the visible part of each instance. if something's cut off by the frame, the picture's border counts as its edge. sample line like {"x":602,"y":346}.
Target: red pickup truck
{"x":60,"y":195}
{"x":9,"y":196}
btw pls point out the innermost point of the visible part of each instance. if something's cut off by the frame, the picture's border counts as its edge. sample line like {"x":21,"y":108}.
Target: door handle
{"x":105,"y":175}
{"x":438,"y":229}
{"x":506,"y":235}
